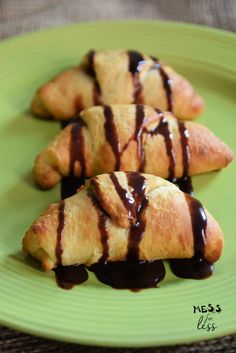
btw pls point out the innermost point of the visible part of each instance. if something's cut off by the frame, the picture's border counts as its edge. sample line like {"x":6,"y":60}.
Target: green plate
{"x":94,"y":313}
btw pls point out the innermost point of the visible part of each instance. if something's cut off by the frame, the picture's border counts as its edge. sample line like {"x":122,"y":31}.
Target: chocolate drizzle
{"x":136,"y":203}
{"x":163,"y":129}
{"x":126,"y":198}
{"x":70,"y":185}
{"x":77,"y":148}
{"x":185,"y":182}
{"x":96,"y":198}
{"x":137,"y":182}
{"x":135,"y":61}
{"x":196,"y":267}
{"x":167,"y":82}
{"x":111,"y":135}
{"x":184,"y":134}
{"x":91,"y":72}
{"x":61,"y":221}
{"x":138,"y":134}
{"x":133,"y":273}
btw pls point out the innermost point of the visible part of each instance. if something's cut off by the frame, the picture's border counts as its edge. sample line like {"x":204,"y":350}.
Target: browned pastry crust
{"x":109,"y":79}
{"x":94,"y":153}
{"x":168,"y":229}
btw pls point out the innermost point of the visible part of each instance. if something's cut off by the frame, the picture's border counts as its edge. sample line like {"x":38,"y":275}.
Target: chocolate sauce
{"x":185,"y":182}
{"x":134,"y":274}
{"x":136,"y":205}
{"x":184,"y":135}
{"x":77,"y":150}
{"x":137,"y":182}
{"x":69,"y":276}
{"x":65,"y":123}
{"x":91,"y":72}
{"x":196,"y":267}
{"x":96,"y":198}
{"x":135,"y":60}
{"x":167,"y":83}
{"x":125,"y":197}
{"x":191,"y":268}
{"x":138,"y":134}
{"x":69,"y":186}
{"x":111,"y":134}
{"x":130,"y":275}
{"x":61,"y":222}
{"x":163,"y":129}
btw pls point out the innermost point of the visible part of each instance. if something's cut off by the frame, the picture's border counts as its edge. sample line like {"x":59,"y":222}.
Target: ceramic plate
{"x":94,"y":313}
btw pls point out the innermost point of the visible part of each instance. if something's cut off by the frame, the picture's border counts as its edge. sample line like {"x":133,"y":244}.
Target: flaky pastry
{"x":130,"y":138}
{"x":123,"y":216}
{"x":116,"y":77}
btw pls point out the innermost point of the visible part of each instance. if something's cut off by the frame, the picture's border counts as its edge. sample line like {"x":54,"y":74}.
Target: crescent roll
{"x":124,"y":217}
{"x":130,"y":138}
{"x":116,"y":77}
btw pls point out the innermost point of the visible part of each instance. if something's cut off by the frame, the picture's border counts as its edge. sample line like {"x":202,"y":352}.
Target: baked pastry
{"x":126,"y":217}
{"x":116,"y":77}
{"x":130,"y":138}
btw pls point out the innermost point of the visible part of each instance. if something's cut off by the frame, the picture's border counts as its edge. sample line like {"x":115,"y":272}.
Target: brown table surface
{"x":20,"y":16}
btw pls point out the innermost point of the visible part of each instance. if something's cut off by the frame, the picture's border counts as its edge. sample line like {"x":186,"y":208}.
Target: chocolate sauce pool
{"x":133,"y":275}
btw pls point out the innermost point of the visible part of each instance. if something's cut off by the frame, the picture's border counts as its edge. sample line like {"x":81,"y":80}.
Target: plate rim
{"x":164,"y":24}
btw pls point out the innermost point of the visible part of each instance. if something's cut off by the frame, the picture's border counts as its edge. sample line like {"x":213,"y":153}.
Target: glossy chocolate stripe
{"x":125,"y":197}
{"x":185,"y":182}
{"x":77,"y":147}
{"x":135,"y":58}
{"x":138,"y":134}
{"x":61,"y":222}
{"x":137,"y":182}
{"x":199,"y":224}
{"x":91,"y":72}
{"x":96,"y":198}
{"x":166,"y":81}
{"x":196,"y":267}
{"x":111,"y":134}
{"x":184,"y":135}
{"x":163,"y":129}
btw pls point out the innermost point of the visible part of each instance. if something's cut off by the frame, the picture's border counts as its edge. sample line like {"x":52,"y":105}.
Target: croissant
{"x":125,"y":217}
{"x":130,"y":138}
{"x":116,"y":77}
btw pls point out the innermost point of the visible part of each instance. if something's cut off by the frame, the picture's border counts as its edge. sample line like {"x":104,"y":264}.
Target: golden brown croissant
{"x":125,"y":217}
{"x":130,"y":138}
{"x":116,"y":77}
